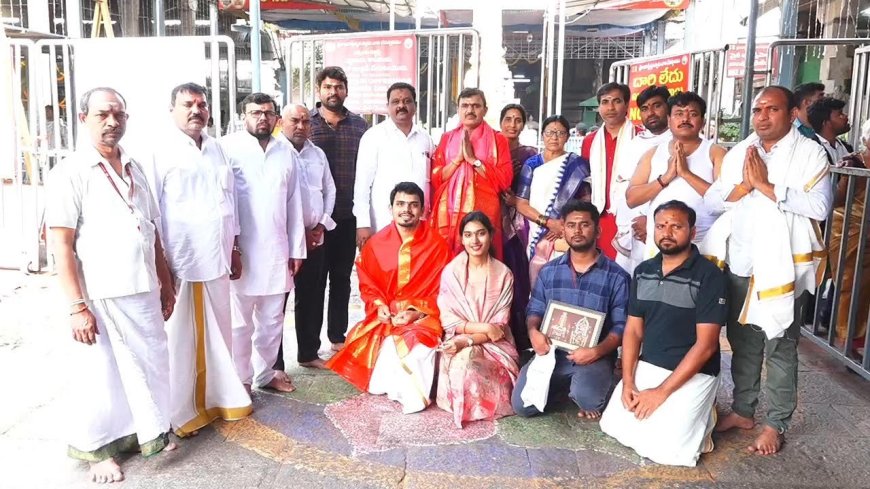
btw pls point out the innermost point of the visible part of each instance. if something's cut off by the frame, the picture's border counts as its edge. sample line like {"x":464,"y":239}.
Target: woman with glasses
{"x":547,"y":181}
{"x":478,"y":365}
{"x":516,"y":230}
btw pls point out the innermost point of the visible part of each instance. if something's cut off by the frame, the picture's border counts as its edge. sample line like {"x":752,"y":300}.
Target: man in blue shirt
{"x":583,"y":277}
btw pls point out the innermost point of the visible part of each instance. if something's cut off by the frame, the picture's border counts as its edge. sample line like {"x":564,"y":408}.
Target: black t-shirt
{"x":673,"y":306}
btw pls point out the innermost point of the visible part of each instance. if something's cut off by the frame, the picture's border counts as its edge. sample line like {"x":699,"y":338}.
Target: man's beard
{"x":584,"y":247}
{"x":674,"y":250}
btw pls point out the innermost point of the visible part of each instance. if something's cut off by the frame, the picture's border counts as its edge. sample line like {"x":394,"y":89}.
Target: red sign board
{"x":735,"y":64}
{"x":372,"y":64}
{"x":672,"y":72}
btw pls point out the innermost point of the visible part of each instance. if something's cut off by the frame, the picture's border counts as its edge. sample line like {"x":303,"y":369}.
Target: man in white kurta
{"x":396,"y":150}
{"x":631,"y":223}
{"x":109,"y":259}
{"x":772,"y":186}
{"x":272,"y":241}
{"x":318,"y":201}
{"x":193,"y":184}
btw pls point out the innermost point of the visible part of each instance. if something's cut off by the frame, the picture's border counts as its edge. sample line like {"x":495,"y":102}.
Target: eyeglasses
{"x":256,"y":114}
{"x":555,"y":134}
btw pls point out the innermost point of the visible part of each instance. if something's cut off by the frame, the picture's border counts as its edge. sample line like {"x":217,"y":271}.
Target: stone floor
{"x":329,"y":435}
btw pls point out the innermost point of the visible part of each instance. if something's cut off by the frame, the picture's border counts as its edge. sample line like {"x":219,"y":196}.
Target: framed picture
{"x":570,"y":327}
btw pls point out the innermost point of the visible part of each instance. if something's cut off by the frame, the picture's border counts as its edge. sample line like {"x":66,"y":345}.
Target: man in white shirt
{"x":272,"y":240}
{"x":193,"y":185}
{"x":631,"y":223}
{"x":110,"y":262}
{"x":396,"y":150}
{"x":827,"y":118}
{"x":776,"y":180}
{"x":318,"y":201}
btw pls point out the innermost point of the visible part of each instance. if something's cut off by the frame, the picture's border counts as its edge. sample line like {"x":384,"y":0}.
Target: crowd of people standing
{"x":178,"y":266}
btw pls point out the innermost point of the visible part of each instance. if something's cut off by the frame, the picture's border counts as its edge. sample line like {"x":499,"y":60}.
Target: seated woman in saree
{"x":547,"y":181}
{"x":478,"y":366}
{"x":514,"y":225}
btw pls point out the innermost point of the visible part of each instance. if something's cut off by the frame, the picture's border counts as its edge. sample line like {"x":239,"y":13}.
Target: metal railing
{"x":843,"y":297}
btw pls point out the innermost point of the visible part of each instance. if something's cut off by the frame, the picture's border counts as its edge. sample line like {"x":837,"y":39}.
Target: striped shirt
{"x":604,"y":287}
{"x":341,"y":144}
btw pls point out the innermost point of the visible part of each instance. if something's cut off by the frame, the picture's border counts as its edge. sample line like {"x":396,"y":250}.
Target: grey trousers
{"x":751,"y":349}
{"x":587,"y":385}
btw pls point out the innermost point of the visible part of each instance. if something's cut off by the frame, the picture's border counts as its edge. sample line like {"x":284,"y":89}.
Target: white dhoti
{"x":120,"y":385}
{"x":258,"y":327}
{"x":204,"y":382}
{"x":678,"y":431}
{"x":407,"y":380}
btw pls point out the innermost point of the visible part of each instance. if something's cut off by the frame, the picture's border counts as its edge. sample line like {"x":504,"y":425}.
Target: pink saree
{"x":476,"y":383}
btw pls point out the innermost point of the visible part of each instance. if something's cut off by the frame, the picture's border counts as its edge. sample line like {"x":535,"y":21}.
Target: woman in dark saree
{"x":546,"y":182}
{"x":516,"y":230}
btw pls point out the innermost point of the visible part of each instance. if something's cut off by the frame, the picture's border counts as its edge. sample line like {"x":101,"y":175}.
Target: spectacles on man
{"x":269,"y":114}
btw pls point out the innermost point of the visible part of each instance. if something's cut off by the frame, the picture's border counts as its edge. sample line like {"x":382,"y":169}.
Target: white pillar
{"x":256,"y":52}
{"x":561,"y":66}
{"x":73,"y":18}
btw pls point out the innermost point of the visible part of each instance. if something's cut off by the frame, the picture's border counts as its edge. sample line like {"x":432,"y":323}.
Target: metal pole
{"x":749,"y":73}
{"x":73,"y":20}
{"x":550,"y":57}
{"x":561,"y":80}
{"x":256,"y":52}
{"x":541,"y":109}
{"x":788,"y":30}
{"x":159,"y":19}
{"x":392,"y":15}
{"x":215,"y":51}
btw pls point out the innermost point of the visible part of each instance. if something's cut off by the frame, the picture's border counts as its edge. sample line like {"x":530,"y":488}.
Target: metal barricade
{"x":859,"y":103}
{"x":827,"y":330}
{"x":19,"y":196}
{"x":706,"y":76}
{"x":444,"y":56}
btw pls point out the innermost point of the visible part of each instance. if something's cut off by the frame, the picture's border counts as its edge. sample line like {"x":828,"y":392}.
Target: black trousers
{"x":332,"y":261}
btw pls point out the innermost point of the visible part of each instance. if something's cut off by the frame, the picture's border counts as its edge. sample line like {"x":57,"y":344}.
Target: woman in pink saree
{"x":478,"y":367}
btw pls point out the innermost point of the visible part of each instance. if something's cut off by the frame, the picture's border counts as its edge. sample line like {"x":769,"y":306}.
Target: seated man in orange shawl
{"x":471,"y":168}
{"x":392,"y":351}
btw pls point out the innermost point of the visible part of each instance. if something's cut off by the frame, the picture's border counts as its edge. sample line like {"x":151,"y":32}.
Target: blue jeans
{"x":588,"y":385}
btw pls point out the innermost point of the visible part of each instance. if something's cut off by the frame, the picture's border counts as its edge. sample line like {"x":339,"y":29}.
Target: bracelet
{"x":237,"y":249}
{"x":470,"y":340}
{"x":83,"y":309}
{"x":76,"y":302}
{"x":659,"y":179}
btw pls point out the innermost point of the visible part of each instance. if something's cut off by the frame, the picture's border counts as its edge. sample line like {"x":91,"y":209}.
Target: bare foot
{"x":281,"y":383}
{"x":172,"y":445}
{"x":248,"y":389}
{"x":733,"y":420}
{"x":767,"y":443}
{"x":105,"y":472}
{"x":337,"y":346}
{"x":316,"y":363}
{"x":588,"y":414}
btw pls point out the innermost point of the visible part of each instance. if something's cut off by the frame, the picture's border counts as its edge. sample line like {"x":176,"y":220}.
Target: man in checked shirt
{"x":337,"y":131}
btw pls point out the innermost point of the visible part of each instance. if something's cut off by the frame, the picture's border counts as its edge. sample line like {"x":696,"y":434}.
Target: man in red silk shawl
{"x":392,"y":351}
{"x":471,"y":168}
{"x":600,"y":149}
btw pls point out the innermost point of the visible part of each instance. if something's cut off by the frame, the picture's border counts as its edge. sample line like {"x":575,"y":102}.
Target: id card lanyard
{"x":118,"y":191}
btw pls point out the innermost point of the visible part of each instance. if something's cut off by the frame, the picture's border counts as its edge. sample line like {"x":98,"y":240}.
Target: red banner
{"x":372,"y":64}
{"x":735,"y":64}
{"x":672,"y":72}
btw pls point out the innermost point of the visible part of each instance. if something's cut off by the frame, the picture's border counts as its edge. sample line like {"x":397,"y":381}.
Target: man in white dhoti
{"x":110,"y":264}
{"x":680,"y":169}
{"x":664,"y":407}
{"x":396,"y":150}
{"x":631,"y":223}
{"x":193,"y":185}
{"x":272,"y":240}
{"x":318,"y":201}
{"x":392,"y":350}
{"x":773,"y":189}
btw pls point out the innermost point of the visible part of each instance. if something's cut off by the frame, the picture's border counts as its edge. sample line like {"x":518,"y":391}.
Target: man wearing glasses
{"x":271,"y":241}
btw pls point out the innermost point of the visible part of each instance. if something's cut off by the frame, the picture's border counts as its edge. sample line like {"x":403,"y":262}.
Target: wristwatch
{"x":477,"y":163}
{"x":236,"y":249}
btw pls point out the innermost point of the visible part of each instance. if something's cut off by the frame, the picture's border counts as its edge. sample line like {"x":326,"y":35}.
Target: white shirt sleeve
{"x":295,"y":217}
{"x":328,"y":197}
{"x":366,"y":166}
{"x":63,"y":204}
{"x":814,"y":204}
{"x":154,"y":175}
{"x":715,"y":198}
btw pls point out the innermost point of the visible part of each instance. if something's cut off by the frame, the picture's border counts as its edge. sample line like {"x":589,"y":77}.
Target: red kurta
{"x":404,"y":275}
{"x":608,"y":220}
{"x":482,"y":193}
